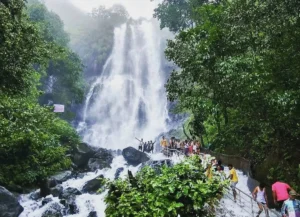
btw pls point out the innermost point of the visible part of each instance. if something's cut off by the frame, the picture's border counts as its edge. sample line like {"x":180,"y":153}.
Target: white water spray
{"x":128,"y":100}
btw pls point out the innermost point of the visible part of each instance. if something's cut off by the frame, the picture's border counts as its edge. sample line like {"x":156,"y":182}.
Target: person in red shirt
{"x":280,"y":191}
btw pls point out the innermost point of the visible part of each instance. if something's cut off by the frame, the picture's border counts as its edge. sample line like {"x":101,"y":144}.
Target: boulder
{"x":9,"y":205}
{"x":70,"y":204}
{"x":59,"y":178}
{"x":69,"y":192}
{"x":118,"y":172}
{"x":100,"y":160}
{"x":93,"y":214}
{"x":68,"y":199}
{"x":55,"y":210}
{"x":35,"y":195}
{"x":46,"y":201}
{"x":87,"y":158}
{"x":93,"y":185}
{"x":56,"y":191}
{"x":81,"y":155}
{"x":134,"y":157}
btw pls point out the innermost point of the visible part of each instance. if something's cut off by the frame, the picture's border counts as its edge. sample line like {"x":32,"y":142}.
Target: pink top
{"x":281,"y":190}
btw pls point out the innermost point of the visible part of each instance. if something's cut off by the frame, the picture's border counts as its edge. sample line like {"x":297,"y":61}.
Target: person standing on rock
{"x":260,"y":196}
{"x":280,"y":191}
{"x":141,"y":145}
{"x":151,"y":147}
{"x":234,"y":180}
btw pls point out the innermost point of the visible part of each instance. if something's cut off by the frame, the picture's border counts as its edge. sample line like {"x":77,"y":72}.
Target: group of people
{"x":283,"y":195}
{"x":188,"y":147}
{"x":146,"y":146}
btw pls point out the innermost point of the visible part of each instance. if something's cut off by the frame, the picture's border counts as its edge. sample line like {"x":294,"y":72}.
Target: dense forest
{"x":239,"y":78}
{"x":38,"y":69}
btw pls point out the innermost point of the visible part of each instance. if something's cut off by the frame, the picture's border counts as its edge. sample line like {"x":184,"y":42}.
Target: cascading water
{"x":128,"y":100}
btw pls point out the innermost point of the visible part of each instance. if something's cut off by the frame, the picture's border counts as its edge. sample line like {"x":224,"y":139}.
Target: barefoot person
{"x":234,"y":180}
{"x":260,"y":196}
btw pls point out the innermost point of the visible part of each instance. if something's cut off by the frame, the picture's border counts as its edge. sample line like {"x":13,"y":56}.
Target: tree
{"x":20,"y":47}
{"x":63,"y":82}
{"x":239,"y":73}
{"x":33,"y":140}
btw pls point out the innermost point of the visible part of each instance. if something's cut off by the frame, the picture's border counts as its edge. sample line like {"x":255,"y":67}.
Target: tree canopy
{"x":239,"y":79}
{"x":33,"y":140}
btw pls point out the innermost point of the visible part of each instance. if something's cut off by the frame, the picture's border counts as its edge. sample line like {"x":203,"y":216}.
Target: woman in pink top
{"x":280,"y":192}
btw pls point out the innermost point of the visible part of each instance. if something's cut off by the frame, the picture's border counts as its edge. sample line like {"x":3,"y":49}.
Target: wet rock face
{"x":9,"y":205}
{"x":134,"y":157}
{"x":100,"y":160}
{"x":93,"y":185}
{"x":118,"y":172}
{"x":59,"y":178}
{"x":81,"y":155}
{"x":68,"y":192}
{"x":90,"y":159}
{"x":68,"y":199}
{"x":93,"y":214}
{"x":55,"y":210}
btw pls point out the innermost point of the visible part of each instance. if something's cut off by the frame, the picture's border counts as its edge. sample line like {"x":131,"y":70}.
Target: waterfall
{"x":128,"y":99}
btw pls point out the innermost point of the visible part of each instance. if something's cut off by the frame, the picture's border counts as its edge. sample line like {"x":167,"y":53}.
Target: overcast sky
{"x":136,"y":8}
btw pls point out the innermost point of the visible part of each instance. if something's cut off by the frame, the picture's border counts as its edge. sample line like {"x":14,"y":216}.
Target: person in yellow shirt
{"x":209,"y":171}
{"x":234,"y":180}
{"x":164,"y":143}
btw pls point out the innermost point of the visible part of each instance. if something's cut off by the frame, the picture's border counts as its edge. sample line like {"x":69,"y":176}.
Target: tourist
{"x":151,"y":147}
{"x":190,"y":148}
{"x":214,"y":163}
{"x":234,"y":180}
{"x":221,"y":173}
{"x":280,"y":191}
{"x":195,"y":147}
{"x":209,"y":171}
{"x":186,"y":148}
{"x":178,"y":146}
{"x":141,"y":145}
{"x":164,"y":143}
{"x":260,"y":196}
{"x":291,"y":207}
{"x":220,"y":165}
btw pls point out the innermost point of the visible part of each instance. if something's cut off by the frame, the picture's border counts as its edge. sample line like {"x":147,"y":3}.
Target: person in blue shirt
{"x":291,"y":207}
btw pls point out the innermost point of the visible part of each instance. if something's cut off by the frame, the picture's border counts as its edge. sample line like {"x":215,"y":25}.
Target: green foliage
{"x":180,"y":190}
{"x":33,"y":141}
{"x":239,"y":78}
{"x":20,"y":47}
{"x":178,"y":15}
{"x":63,"y":82}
